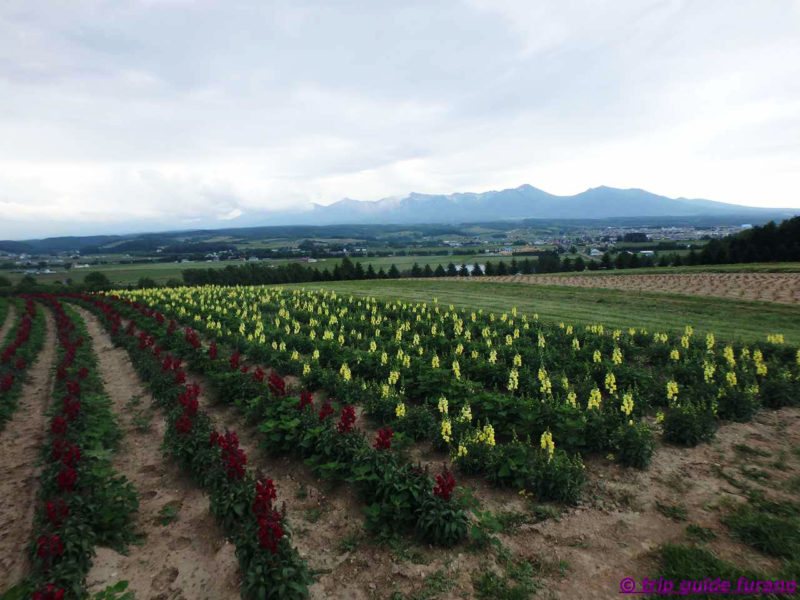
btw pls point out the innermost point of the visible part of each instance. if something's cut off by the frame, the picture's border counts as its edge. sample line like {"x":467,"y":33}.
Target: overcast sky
{"x":118,"y":116}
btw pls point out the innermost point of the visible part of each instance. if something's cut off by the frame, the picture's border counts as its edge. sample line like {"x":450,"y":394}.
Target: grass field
{"x":729,"y":319}
{"x":125,"y":274}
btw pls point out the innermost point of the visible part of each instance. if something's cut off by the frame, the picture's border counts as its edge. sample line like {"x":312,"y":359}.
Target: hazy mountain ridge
{"x":632,"y":206}
{"x":523,"y":202}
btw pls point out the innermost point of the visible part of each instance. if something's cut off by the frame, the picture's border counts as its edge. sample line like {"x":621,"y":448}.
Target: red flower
{"x":265,"y":494}
{"x":244,"y":368}
{"x":306,"y":399}
{"x":233,"y":457}
{"x":184,"y":424}
{"x":384,"y":439}
{"x":258,"y":375}
{"x":191,"y":337}
{"x":20,"y":364}
{"x":61,"y":372}
{"x":326,"y":411}
{"x":56,"y":512}
{"x":73,"y":388}
{"x":83,"y":372}
{"x":49,"y":592}
{"x":212,"y":351}
{"x":71,"y":407}
{"x":444,"y":485}
{"x":234,"y":361}
{"x":67,"y":478}
{"x":346,"y":420}
{"x":180,"y":378}
{"x":47,"y":546}
{"x":172,"y":326}
{"x":67,"y":453}
{"x":270,"y":532}
{"x":166,"y":364}
{"x":277,"y":385}
{"x":58,"y":426}
{"x":6,"y":383}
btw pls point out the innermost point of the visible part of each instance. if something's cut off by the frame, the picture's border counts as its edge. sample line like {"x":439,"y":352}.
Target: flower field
{"x":489,"y":389}
{"x":399,"y":404}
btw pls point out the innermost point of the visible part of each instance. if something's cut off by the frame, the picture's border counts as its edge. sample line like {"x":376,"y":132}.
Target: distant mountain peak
{"x":525,"y":201}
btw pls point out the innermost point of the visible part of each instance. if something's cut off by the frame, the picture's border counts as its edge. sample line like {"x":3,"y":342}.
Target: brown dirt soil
{"x":21,"y":442}
{"x":611,"y":534}
{"x":768,"y":287}
{"x":583,"y":553}
{"x":6,"y":326}
{"x":186,"y":559}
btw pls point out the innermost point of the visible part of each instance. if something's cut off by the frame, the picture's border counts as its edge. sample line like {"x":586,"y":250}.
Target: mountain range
{"x":602,"y":204}
{"x":525,"y":202}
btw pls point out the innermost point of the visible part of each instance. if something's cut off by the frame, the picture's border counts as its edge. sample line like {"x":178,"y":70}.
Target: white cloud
{"x":154,"y":113}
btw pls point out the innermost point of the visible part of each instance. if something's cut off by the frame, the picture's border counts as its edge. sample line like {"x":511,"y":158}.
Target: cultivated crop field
{"x":767,"y":287}
{"x":327,"y":444}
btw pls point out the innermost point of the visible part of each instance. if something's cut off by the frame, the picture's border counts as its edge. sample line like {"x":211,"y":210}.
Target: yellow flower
{"x":306,"y":369}
{"x":443,"y":405}
{"x":659,"y":416}
{"x":730,"y":378}
{"x":517,"y":362}
{"x":572,"y":398}
{"x":674,"y":354}
{"x":462,"y":451}
{"x":616,"y":356}
{"x":541,"y":341}
{"x":513,"y":380}
{"x":595,"y":398}
{"x":627,"y":404}
{"x":493,"y":356}
{"x":435,"y":361}
{"x":456,"y":369}
{"x":447,"y":430}
{"x":466,"y":414}
{"x":710,"y":341}
{"x":611,"y":383}
{"x":727,"y":353}
{"x":400,"y":410}
{"x":576,"y":345}
{"x":546,"y":442}
{"x":344,"y":371}
{"x":758,"y":361}
{"x":672,"y":390}
{"x":597,"y":357}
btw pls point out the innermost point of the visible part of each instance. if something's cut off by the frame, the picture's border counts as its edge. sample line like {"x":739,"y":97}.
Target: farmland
{"x":398,"y":439}
{"x":767,"y":287}
{"x":731,"y":319}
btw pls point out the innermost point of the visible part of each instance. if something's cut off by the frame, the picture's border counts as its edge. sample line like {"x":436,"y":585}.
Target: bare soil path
{"x":187,"y":558}
{"x":5,"y":327}
{"x":20,"y":445}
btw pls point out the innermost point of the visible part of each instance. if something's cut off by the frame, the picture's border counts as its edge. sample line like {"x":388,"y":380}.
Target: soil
{"x":783,"y":288}
{"x":21,"y":443}
{"x":5,"y":327}
{"x":188,"y":558}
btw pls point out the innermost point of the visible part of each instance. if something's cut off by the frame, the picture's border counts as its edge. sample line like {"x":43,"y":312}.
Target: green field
{"x":127,"y":274}
{"x":728,"y":319}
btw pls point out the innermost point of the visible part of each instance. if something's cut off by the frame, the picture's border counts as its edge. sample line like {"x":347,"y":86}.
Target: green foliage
{"x":634,"y":445}
{"x":700,"y":534}
{"x":688,"y":425}
{"x":768,"y":533}
{"x":441,"y":522}
{"x":168,"y":514}
{"x":676,"y":512}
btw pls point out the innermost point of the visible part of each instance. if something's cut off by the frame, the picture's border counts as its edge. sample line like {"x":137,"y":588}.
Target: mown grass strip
{"x":730,"y":320}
